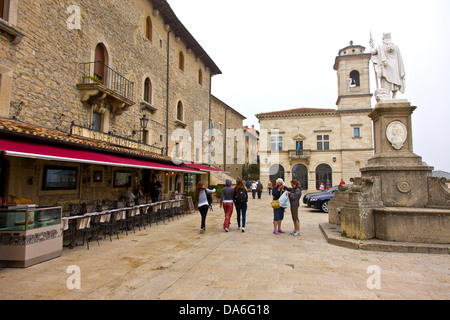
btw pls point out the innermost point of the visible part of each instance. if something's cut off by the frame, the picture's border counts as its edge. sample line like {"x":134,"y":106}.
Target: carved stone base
{"x":393,"y":199}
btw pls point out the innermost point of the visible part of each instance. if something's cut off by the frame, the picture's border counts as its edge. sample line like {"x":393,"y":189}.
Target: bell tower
{"x":352,"y":66}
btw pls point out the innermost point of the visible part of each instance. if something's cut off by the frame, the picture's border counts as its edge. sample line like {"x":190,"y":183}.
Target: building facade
{"x":115,"y":77}
{"x":225,"y":118}
{"x":315,"y":145}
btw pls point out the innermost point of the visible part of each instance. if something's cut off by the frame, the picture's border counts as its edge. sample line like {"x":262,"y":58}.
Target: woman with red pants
{"x":227,"y":203}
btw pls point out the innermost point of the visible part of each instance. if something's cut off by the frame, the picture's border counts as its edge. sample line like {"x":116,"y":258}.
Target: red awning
{"x":204,"y":168}
{"x":56,"y":153}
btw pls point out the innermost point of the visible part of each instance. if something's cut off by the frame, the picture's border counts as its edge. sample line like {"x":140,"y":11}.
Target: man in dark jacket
{"x":259,"y":189}
{"x":227,"y":202}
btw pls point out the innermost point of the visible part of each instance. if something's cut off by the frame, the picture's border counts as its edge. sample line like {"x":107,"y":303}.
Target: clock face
{"x":396,"y":134}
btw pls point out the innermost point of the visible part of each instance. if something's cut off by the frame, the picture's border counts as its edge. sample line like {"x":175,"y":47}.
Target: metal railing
{"x":98,"y":72}
{"x":299,"y":154}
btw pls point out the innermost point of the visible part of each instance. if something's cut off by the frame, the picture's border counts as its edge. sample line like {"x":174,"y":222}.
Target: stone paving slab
{"x":174,"y":261}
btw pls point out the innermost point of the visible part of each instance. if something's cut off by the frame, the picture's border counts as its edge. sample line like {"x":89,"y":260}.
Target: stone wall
{"x":224,"y":117}
{"x":45,"y":66}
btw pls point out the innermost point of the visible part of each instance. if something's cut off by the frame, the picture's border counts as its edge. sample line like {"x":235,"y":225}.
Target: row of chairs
{"x":91,"y":225}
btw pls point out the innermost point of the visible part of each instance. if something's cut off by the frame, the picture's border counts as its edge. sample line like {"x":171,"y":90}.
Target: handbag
{"x":284,"y":200}
{"x":276,"y":204}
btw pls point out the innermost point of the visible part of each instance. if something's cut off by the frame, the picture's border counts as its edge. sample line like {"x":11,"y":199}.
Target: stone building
{"x":226,"y":118}
{"x":116,"y":77}
{"x":314,"y":145}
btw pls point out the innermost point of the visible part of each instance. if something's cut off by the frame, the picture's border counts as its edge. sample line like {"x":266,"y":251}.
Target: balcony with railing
{"x":299,"y":155}
{"x":101,"y":82}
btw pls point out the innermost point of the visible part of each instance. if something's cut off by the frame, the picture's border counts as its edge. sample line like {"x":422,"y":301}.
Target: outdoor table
{"x":75,"y":221}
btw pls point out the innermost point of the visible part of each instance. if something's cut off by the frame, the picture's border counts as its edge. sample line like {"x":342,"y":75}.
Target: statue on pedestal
{"x":389,"y":68}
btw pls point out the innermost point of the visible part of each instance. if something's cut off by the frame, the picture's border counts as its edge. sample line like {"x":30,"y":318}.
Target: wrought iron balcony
{"x":299,"y":154}
{"x":102,"y":82}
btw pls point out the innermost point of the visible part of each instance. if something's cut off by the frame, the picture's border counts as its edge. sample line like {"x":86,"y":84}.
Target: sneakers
{"x":295,"y":233}
{"x":243,"y":229}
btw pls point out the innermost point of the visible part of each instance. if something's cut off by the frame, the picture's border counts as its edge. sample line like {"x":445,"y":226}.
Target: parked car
{"x":320,"y":201}
{"x":308,"y":196}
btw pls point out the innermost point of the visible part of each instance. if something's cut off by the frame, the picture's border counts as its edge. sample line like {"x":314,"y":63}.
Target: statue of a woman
{"x":389,"y":68}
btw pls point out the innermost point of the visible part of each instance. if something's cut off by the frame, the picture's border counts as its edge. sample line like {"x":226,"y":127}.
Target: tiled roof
{"x":46,"y":135}
{"x":180,"y":31}
{"x":298,"y":111}
{"x":441,"y":174}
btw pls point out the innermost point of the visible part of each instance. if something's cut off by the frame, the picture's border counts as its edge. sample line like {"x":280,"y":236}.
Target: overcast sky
{"x":278,"y":55}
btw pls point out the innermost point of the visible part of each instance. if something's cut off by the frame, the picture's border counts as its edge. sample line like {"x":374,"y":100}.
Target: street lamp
{"x":144,"y":123}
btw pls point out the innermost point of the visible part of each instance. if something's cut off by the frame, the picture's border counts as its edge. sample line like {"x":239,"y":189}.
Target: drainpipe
{"x":209,"y":128}
{"x":167,"y":92}
{"x":225,"y":144}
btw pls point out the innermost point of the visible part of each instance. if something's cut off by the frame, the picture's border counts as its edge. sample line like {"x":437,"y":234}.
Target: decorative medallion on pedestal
{"x":397,"y":133}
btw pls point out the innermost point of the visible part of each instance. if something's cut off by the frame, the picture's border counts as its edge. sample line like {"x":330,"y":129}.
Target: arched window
{"x":181,"y":61}
{"x":180,"y":111}
{"x":100,"y":63}
{"x":300,"y":173}
{"x":354,"y":79}
{"x":149,"y":29}
{"x":323,"y":174}
{"x":148,"y":91}
{"x":200,"y":77}
{"x":276,"y":171}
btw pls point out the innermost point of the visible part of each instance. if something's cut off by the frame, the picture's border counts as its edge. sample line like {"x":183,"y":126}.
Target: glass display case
{"x":29,"y":235}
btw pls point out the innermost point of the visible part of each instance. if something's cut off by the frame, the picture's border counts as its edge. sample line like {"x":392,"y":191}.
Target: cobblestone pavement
{"x":174,"y":261}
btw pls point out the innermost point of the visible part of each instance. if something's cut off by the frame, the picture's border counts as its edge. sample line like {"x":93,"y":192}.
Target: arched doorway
{"x":300,"y":173}
{"x":276,"y":171}
{"x":323,"y":173}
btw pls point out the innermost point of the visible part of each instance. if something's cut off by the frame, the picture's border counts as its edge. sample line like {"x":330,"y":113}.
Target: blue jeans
{"x":241,"y":208}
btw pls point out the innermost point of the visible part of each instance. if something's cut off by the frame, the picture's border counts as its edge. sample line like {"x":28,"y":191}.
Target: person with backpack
{"x":202,"y":203}
{"x":240,"y":201}
{"x":227,"y":203}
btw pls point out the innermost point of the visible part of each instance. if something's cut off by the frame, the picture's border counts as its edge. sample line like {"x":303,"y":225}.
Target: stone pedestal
{"x":391,"y":199}
{"x":403,"y":174}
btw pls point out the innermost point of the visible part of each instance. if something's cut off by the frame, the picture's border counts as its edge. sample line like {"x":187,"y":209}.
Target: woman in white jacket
{"x":201,"y":201}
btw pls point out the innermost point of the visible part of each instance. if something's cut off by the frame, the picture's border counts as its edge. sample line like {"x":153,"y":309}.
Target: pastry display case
{"x":29,"y":235}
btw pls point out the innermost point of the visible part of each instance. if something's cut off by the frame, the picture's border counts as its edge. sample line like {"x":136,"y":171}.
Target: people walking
{"x":259,"y":189}
{"x":226,"y":201}
{"x":201,"y":201}
{"x":240,"y":201}
{"x":270,"y":187}
{"x":254,"y":186}
{"x":295,"y":193}
{"x":278,"y":213}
